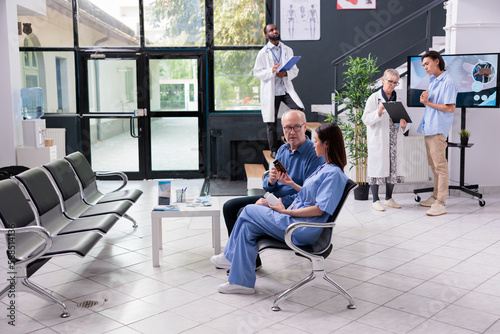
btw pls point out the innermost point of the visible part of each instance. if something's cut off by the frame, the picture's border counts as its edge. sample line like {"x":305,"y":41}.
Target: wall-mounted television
{"x":475,"y":74}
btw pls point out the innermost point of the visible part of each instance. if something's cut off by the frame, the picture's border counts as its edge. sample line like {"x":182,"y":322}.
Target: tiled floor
{"x":408,"y":273}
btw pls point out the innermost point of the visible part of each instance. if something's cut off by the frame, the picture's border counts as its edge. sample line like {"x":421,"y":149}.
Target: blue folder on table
{"x":292,"y":61}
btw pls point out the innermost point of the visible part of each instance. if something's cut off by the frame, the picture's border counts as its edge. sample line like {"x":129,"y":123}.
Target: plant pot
{"x":464,"y":141}
{"x":361,"y":192}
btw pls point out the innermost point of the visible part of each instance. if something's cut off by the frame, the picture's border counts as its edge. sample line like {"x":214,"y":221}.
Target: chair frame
{"x":30,"y":246}
{"x":21,"y":268}
{"x":74,"y":206}
{"x":318,"y":275}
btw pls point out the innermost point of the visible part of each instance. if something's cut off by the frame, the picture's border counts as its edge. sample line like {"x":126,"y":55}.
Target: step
{"x":268,"y":159}
{"x":254,"y":174}
{"x":310,"y":128}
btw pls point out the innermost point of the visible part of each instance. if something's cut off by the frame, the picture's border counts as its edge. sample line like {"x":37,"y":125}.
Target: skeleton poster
{"x":300,"y":20}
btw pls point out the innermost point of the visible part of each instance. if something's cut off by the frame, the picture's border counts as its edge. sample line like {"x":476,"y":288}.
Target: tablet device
{"x":292,"y":61}
{"x":396,"y":111}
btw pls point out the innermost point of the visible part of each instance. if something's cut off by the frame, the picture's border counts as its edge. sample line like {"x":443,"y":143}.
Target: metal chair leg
{"x":304,"y":283}
{"x":131,"y":219}
{"x":341,"y":290}
{"x":32,"y":287}
{"x":295,"y":288}
{"x":4,"y":291}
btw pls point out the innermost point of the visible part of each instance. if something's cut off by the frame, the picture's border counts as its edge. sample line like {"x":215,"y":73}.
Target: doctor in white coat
{"x":386,"y":163}
{"x":276,"y":86}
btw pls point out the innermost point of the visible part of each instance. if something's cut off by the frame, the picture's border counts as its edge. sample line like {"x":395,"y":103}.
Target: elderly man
{"x":300,"y":160}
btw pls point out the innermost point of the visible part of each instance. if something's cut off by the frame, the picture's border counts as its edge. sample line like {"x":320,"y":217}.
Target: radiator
{"x":417,"y":168}
{"x":59,"y":136}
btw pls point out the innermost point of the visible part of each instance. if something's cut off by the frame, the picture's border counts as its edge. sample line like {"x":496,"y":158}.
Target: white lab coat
{"x":377,"y":133}
{"x":263,"y":71}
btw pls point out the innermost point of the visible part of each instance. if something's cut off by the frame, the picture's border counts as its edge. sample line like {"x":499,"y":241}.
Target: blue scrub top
{"x":324,"y":188}
{"x":442,"y":90}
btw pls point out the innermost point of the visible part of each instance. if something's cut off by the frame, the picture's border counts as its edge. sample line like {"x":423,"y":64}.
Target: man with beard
{"x":276,"y":86}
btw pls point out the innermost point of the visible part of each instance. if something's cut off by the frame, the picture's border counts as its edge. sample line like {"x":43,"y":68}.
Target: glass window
{"x":112,"y":85}
{"x":173,"y":83}
{"x":54,"y":73}
{"x":54,"y":29}
{"x":174,"y":23}
{"x":235,"y":86}
{"x":108,"y":23}
{"x":169,"y":150}
{"x":110,"y":142}
{"x":239,"y":22}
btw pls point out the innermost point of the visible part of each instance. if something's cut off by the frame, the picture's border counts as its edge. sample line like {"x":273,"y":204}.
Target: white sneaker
{"x":437,"y":209}
{"x":231,"y":288}
{"x":392,"y":204}
{"x":220,"y":261}
{"x":428,"y":202}
{"x":378,"y":206}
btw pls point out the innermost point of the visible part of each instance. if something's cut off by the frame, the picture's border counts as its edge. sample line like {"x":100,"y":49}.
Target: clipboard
{"x":396,"y":111}
{"x":289,"y":64}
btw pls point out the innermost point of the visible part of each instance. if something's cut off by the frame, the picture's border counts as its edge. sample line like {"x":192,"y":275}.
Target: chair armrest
{"x":292,"y":227}
{"x":266,"y":173}
{"x":122,"y":175}
{"x":41,"y":231}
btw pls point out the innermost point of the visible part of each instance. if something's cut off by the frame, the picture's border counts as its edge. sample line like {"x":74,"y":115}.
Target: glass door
{"x":142,"y":114}
{"x":176,"y":107}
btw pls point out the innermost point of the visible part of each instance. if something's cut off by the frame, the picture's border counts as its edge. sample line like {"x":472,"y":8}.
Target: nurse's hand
{"x":285,"y":179}
{"x":262,"y":201}
{"x":278,"y":208}
{"x":424,"y":98}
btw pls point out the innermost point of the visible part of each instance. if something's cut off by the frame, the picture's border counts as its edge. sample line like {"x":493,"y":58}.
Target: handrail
{"x":424,"y":10}
{"x":391,"y":28}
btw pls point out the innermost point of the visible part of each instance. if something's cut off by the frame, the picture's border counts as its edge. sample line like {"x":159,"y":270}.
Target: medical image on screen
{"x":475,"y":75}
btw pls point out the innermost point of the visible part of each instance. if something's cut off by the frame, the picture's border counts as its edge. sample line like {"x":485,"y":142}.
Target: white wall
{"x":10,"y":84}
{"x":10,"y":74}
{"x":474,"y":27}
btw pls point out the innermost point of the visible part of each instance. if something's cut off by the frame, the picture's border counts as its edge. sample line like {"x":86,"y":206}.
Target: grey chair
{"x":70,"y":190}
{"x":315,"y":253}
{"x":30,"y":246}
{"x":49,"y":211}
{"x":87,"y":177}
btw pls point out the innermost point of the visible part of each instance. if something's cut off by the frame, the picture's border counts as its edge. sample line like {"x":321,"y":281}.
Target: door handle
{"x":137,"y":113}
{"x":133,"y":134}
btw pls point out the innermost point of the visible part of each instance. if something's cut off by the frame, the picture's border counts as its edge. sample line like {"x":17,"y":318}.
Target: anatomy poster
{"x":356,"y":4}
{"x":300,"y":20}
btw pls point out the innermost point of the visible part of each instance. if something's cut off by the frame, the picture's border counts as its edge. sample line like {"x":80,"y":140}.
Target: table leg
{"x":216,"y":234}
{"x":156,"y":236}
{"x":160,"y":234}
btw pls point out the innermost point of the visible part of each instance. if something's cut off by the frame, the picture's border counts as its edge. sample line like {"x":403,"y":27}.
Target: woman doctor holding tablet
{"x":386,"y":163}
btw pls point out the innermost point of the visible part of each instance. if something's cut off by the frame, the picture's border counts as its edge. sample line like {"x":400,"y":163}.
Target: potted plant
{"x":464,"y":136}
{"x":357,"y":88}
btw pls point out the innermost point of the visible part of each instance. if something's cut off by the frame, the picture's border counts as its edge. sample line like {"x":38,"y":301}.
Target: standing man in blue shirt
{"x":299,"y":158}
{"x":439,"y":101}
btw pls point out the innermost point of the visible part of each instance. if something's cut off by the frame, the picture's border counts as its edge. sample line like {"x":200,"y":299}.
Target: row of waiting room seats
{"x":56,"y":210}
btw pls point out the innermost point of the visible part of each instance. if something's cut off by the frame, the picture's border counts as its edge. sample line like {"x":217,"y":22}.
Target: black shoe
{"x":258,"y":263}
{"x":273,"y":154}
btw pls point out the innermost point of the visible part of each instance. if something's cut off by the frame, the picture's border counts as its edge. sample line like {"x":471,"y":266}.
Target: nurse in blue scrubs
{"x":316,"y":200}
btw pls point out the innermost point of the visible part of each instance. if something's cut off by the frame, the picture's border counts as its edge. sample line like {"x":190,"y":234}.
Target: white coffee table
{"x":185,"y":211}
